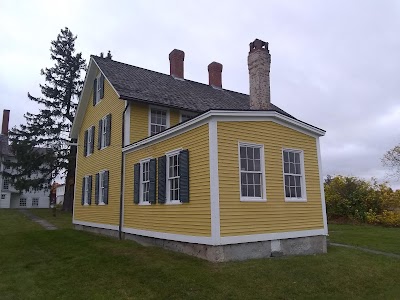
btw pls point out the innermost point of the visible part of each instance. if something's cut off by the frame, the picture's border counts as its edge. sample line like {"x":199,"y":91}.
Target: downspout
{"x":122,"y":174}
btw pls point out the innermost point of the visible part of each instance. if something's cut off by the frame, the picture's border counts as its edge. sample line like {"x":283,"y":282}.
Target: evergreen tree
{"x":43,"y":144}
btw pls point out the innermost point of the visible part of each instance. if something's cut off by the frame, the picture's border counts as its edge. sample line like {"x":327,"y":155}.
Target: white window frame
{"x":103,"y":132}
{"x":37,"y":202}
{"x":167,"y":185}
{"x":166,"y":110}
{"x":141,"y":182}
{"x":86,"y":193}
{"x":186,"y":113}
{"x":303,"y":176}
{"x":101,"y":186}
{"x":6,"y":183}
{"x":263,"y":197}
{"x":89,"y":141}
{"x":98,"y":89}
{"x":20,"y":199}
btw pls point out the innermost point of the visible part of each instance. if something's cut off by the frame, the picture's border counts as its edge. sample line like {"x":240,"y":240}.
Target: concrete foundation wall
{"x":296,"y":246}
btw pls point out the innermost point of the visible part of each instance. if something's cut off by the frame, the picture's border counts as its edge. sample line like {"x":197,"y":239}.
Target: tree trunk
{"x":70,"y":180}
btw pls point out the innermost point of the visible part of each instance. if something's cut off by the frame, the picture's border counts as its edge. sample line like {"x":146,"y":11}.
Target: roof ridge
{"x":123,"y":63}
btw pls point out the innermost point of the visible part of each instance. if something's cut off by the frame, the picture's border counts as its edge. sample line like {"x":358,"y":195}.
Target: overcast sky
{"x":335,"y":64}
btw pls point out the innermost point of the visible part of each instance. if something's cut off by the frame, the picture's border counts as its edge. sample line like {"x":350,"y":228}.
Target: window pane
{"x":286,"y":167}
{"x":291,"y":180}
{"x":251,"y":190}
{"x":285,"y":156}
{"x":257,"y":153}
{"x":257,"y":178}
{"x":242,"y":152}
{"x":287,"y":192}
{"x":250,"y":178}
{"x":297,"y":180}
{"x":257,"y":165}
{"x":298,"y":191}
{"x":244,"y":190}
{"x":287,"y":183}
{"x":298,"y":170}
{"x":292,"y":169}
{"x":292,"y":192}
{"x":243,"y":164}
{"x":297,"y":157}
{"x":291,"y":156}
{"x":258,"y":190}
{"x":244,"y":178}
{"x":250,"y":153}
{"x":250,"y":165}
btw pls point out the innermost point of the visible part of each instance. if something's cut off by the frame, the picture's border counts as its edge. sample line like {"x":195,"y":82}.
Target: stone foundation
{"x":296,"y":246}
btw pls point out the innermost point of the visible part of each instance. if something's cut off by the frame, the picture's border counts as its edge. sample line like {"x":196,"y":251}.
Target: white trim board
{"x":214,"y":182}
{"x":97,"y":225}
{"x":321,"y":182}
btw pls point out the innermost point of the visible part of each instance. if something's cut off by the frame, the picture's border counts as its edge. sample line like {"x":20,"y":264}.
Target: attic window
{"x":159,"y":120}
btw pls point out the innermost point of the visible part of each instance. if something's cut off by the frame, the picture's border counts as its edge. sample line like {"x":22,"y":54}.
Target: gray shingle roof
{"x":134,"y":83}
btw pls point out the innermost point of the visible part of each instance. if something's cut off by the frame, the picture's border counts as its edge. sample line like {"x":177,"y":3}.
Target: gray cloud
{"x":335,"y":64}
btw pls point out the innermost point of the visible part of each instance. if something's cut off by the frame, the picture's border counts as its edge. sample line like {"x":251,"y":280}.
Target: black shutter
{"x":93,"y":135}
{"x":184,"y":176}
{"x":99,"y":134}
{"x":136,"y":182}
{"x":162,"y":178}
{"x":101,"y":86}
{"x":85,"y":143}
{"x":105,"y":180}
{"x":94,"y":91}
{"x":90,"y":190}
{"x":152,"y":175}
{"x":96,"y":190}
{"x":83,"y":191}
{"x":108,"y":124}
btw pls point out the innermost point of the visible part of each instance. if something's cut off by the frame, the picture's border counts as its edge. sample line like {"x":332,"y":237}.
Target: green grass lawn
{"x":68,"y":264}
{"x":62,"y":219}
{"x":368,"y":236}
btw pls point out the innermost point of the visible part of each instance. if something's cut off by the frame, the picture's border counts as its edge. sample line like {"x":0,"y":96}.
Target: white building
{"x":60,"y":191}
{"x":9,"y":196}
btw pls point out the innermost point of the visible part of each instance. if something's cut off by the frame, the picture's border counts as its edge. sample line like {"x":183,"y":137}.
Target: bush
{"x":361,"y":200}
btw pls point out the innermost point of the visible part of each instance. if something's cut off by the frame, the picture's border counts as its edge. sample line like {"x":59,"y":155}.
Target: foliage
{"x":391,"y":159}
{"x":361,"y":200}
{"x":41,"y":146}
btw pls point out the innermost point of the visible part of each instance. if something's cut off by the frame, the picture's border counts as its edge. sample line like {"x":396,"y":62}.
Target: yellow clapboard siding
{"x":274,"y":215}
{"x":192,"y":218}
{"x":105,"y":159}
{"x":174,"y":117}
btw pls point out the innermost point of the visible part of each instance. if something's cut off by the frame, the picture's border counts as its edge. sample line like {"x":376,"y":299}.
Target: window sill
{"x":86,"y":204}
{"x":101,"y":204}
{"x":253,"y":200}
{"x":295,"y":200}
{"x":144,"y":203}
{"x":173,"y":202}
{"x":103,"y":147}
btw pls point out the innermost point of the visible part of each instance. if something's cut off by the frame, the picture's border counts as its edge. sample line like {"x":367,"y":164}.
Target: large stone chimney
{"x":6,"y":118}
{"x":215,"y":74}
{"x":176,"y":58}
{"x":259,"y":62}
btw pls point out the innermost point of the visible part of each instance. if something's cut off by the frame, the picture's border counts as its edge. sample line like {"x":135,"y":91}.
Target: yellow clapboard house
{"x":196,"y":168}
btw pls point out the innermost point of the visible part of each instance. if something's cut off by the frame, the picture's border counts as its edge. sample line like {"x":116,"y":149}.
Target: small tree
{"x":42,"y":145}
{"x":391,"y":159}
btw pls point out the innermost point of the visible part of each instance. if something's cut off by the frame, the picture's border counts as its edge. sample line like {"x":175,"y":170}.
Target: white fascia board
{"x":228,"y":115}
{"x":84,"y":99}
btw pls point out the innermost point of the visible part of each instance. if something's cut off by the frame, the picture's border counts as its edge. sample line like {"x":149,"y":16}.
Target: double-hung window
{"x":87,"y":190}
{"x":145,"y":181}
{"x":252,"y":172}
{"x":293,"y":172}
{"x":102,"y":183}
{"x":173,"y":175}
{"x":89,"y":141}
{"x":22,"y":202}
{"x":187,"y":116}
{"x":35,"y":202}
{"x":159,"y":120}
{"x":6,"y":183}
{"x":104,"y":134}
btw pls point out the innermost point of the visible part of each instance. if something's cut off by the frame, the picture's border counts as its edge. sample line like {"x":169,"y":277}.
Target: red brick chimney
{"x":6,"y":118}
{"x":176,"y":58}
{"x":215,"y":74}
